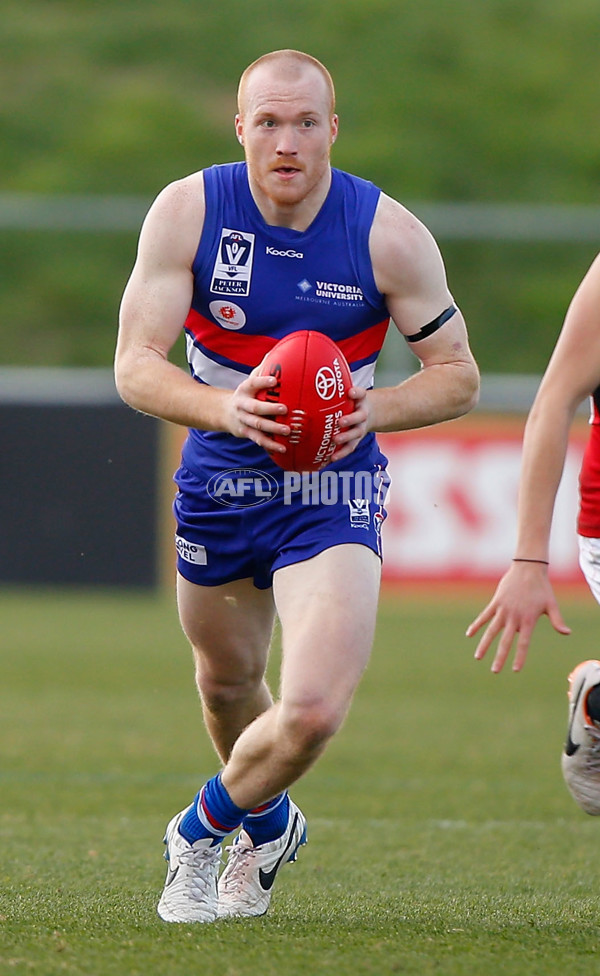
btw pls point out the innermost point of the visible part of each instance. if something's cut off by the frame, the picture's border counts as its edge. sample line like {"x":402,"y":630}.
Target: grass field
{"x":442,"y":839}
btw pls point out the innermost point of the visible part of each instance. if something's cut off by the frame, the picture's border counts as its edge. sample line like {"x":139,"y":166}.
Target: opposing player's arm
{"x":153,"y":310}
{"x":525,"y":592}
{"x":572,"y":374}
{"x":410,"y":272}
{"x":573,"y":371}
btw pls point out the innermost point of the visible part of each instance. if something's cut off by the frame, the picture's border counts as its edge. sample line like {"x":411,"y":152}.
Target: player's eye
{"x":308,"y":123}
{"x":268,"y":123}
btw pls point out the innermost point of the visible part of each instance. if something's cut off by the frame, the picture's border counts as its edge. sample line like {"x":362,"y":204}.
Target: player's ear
{"x":239,"y":130}
{"x":334,"y":128}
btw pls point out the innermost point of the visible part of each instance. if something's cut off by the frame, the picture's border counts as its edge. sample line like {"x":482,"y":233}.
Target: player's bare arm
{"x":154,"y":307}
{"x":525,"y":592}
{"x":410,"y":272}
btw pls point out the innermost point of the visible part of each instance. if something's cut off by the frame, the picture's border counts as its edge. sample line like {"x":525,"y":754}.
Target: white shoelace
{"x":200,"y":880}
{"x":240,"y":856}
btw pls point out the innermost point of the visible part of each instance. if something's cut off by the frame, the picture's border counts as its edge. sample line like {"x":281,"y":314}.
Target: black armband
{"x":433,"y":326}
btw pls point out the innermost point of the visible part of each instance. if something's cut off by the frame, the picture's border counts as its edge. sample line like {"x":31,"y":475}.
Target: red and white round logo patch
{"x":228,"y":315}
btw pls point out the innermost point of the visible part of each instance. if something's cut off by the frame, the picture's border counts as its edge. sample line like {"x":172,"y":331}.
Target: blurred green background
{"x":488,"y":101}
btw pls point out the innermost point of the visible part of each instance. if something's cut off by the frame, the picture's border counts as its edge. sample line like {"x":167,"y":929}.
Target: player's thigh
{"x":228,"y":626}
{"x":328,"y":607}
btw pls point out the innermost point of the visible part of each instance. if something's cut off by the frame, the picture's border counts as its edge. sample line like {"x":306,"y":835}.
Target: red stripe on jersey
{"x":249,"y":350}
{"x":366,"y":344}
{"x":240,"y":347}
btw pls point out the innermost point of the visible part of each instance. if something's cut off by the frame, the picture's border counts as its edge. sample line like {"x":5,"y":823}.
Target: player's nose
{"x":287,"y":144}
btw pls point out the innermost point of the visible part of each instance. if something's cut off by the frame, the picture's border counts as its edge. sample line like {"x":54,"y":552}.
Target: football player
{"x":240,"y":255}
{"x":525,"y":592}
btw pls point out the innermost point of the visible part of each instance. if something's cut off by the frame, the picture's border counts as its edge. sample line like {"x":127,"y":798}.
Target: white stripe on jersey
{"x":228,"y":378}
{"x":363,"y":376}
{"x":210,"y":372}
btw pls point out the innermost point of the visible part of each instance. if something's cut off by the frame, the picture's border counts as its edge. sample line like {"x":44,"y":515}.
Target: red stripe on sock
{"x":269,"y":805}
{"x":214,"y":823}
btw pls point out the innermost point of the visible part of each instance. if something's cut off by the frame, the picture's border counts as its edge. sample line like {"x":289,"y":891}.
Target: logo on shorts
{"x":233,"y":265}
{"x":360,"y":513}
{"x":191,"y":552}
{"x":242,"y":487}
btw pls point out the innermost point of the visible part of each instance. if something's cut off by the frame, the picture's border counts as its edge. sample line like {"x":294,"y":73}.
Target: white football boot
{"x":246,"y":883}
{"x":581,"y":755}
{"x":190,"y":892}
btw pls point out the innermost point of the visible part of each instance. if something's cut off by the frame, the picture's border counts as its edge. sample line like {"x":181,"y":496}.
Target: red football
{"x":313,"y":382}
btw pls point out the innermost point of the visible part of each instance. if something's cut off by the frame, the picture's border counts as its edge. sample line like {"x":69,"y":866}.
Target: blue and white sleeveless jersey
{"x":255,"y":283}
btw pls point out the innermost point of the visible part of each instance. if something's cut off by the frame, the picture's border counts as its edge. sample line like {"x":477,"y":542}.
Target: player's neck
{"x":296,"y":215}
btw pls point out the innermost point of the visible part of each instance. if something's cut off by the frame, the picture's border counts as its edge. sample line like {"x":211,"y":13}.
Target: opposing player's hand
{"x":256,"y":419}
{"x":353,"y":426}
{"x":522,"y":596}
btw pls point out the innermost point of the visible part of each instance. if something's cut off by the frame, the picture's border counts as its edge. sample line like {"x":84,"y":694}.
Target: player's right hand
{"x":256,"y":419}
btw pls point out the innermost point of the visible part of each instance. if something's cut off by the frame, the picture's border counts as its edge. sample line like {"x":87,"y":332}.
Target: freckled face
{"x":286,"y":127}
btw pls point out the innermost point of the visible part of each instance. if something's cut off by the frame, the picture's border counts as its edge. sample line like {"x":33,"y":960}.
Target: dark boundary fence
{"x":79,"y":486}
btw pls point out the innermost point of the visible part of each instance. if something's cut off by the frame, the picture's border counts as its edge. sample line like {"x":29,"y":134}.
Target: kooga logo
{"x":284,"y":254}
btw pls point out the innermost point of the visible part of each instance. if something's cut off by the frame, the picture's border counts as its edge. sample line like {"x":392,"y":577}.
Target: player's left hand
{"x":258,"y":420}
{"x":522,"y":596}
{"x":353,"y":426}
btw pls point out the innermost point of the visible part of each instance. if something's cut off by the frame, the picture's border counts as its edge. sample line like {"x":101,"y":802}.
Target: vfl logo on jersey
{"x":233,"y":265}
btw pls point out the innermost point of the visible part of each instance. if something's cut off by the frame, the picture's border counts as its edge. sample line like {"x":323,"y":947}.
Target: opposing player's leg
{"x":229,"y":628}
{"x":581,"y":753}
{"x":327,"y":607}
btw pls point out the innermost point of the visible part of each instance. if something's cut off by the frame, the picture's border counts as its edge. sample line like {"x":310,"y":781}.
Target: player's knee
{"x":309,"y":726}
{"x":220,"y":693}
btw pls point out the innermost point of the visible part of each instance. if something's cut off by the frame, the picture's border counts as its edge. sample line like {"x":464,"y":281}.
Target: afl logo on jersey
{"x":228,"y":315}
{"x":233,"y":264}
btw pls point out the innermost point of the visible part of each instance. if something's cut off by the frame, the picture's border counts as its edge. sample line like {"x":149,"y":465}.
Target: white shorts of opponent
{"x":589,"y":560}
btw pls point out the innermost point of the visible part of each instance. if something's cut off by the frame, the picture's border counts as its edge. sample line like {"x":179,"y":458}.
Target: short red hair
{"x":291,"y":57}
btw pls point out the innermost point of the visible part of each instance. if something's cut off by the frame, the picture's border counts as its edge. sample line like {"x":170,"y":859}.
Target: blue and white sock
{"x":212,"y":814}
{"x":268,"y":822}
